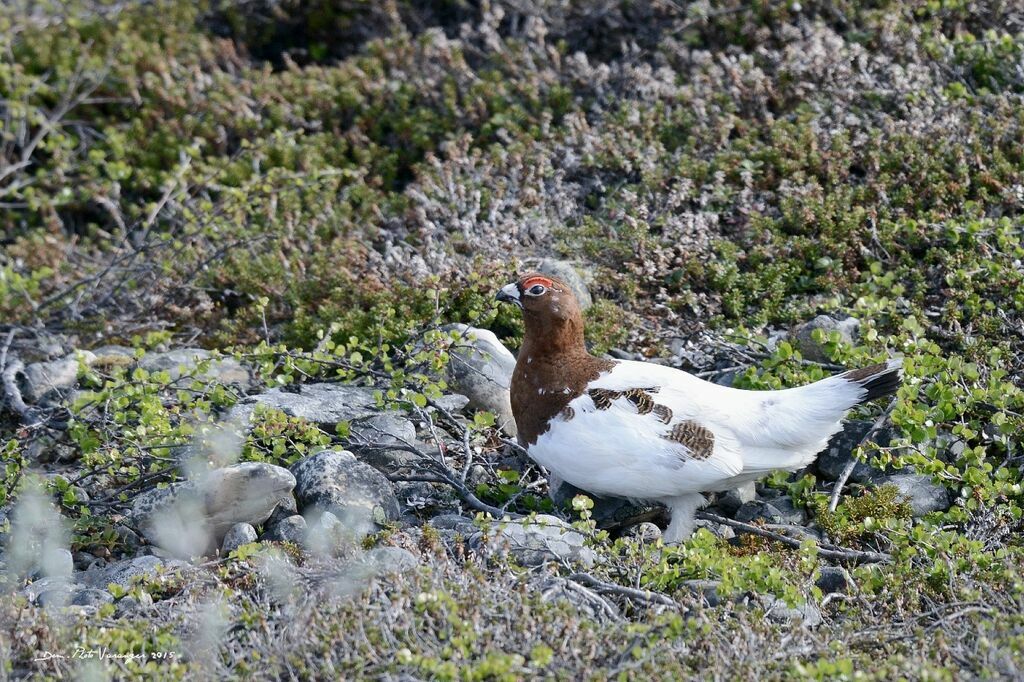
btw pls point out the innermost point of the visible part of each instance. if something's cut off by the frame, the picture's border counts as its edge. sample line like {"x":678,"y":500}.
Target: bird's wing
{"x":634,"y":437}
{"x":767,"y":430}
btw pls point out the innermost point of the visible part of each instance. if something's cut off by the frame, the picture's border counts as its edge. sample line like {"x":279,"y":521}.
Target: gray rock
{"x":327,"y":404}
{"x":54,"y":562}
{"x":383,"y":560}
{"x":645,"y":532}
{"x":286,"y":507}
{"x":128,"y":605}
{"x":807,"y":614}
{"x":125,"y":573}
{"x":607,"y":512}
{"x":56,"y":597}
{"x":57,"y":375}
{"x":454,"y":522}
{"x":238,"y":535}
{"x":839,"y":452}
{"x":191,"y":518}
{"x":128,"y":537}
{"x":184,"y":362}
{"x":480,"y":368}
{"x":567,"y":272}
{"x":324,"y":404}
{"x":452,"y":402}
{"x":532,"y":544}
{"x":802,"y":336}
{"x":833,"y":579}
{"x":34,"y":589}
{"x":731,"y":500}
{"x":719,"y":530}
{"x":707,"y":590}
{"x":949,"y":446}
{"x":800,"y":532}
{"x":91,"y":597}
{"x":291,"y":529}
{"x":372,"y":436}
{"x":779,"y":510}
{"x":326,"y":535}
{"x":355,"y":492}
{"x":921,"y":493}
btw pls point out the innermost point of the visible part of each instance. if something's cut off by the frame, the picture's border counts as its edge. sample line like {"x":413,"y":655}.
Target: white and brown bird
{"x":649,"y":432}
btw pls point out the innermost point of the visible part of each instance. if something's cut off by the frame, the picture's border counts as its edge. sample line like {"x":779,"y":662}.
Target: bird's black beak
{"x":509,"y":294}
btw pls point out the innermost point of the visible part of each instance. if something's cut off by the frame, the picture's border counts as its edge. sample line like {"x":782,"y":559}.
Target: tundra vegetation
{"x":311,"y":191}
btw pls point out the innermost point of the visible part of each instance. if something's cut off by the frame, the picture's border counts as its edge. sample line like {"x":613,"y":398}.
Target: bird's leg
{"x":684,"y":509}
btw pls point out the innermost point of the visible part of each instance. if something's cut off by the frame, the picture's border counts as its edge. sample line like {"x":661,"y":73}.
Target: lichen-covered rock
{"x":325,"y":404}
{"x":41,"y":378}
{"x":803,"y":335}
{"x":833,"y":579}
{"x":645,"y":532}
{"x":779,"y":510}
{"x":335,"y":481}
{"x":372,"y":430}
{"x":807,"y":614}
{"x":608,"y":512}
{"x":921,"y":493}
{"x":55,"y":561}
{"x":291,"y":529}
{"x":839,"y":452}
{"x":480,"y":367}
{"x":385,"y":560}
{"x":58,"y":584}
{"x":124,"y":573}
{"x":187,"y":518}
{"x":371,"y":438}
{"x":184,"y":361}
{"x":731,"y":500}
{"x":546,"y":538}
{"x":286,"y":507}
{"x":238,"y":535}
{"x":90,"y":598}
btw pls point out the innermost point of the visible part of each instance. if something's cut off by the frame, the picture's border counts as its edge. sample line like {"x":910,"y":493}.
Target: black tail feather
{"x":878,"y":380}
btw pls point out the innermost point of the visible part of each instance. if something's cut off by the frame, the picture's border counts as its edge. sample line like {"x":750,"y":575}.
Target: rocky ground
{"x":255,"y":419}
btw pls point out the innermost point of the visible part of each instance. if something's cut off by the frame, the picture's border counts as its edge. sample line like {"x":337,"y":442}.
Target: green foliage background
{"x":261,"y":175}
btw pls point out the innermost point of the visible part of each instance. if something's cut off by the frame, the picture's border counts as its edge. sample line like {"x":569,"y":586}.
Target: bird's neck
{"x":552,"y":370}
{"x":559,"y":338}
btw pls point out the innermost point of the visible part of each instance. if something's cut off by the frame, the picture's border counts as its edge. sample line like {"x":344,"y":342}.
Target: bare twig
{"x":464,"y":493}
{"x":142,"y":482}
{"x":830,"y":552}
{"x":646,"y":596}
{"x":833,"y":501}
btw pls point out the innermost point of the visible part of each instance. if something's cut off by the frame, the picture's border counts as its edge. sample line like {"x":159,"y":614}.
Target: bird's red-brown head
{"x":553,"y":366}
{"x":550,"y":312}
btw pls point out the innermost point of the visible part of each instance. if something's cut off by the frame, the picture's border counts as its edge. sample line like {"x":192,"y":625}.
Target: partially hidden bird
{"x":644,"y":431}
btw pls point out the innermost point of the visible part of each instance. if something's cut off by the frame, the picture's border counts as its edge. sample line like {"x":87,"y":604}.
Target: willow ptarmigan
{"x":649,"y":432}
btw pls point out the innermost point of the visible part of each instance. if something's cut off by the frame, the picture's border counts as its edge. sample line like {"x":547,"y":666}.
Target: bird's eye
{"x":536,"y":290}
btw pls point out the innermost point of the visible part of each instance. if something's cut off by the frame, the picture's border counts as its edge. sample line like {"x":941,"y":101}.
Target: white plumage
{"x":621,"y":451}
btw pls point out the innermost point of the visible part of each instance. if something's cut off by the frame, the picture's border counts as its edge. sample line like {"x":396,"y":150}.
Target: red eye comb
{"x":538,"y":280}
